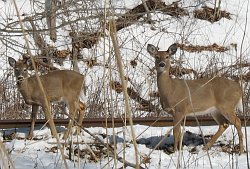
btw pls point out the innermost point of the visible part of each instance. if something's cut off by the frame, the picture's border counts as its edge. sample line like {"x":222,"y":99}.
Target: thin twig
{"x":2,"y":149}
{"x":147,"y":10}
{"x":241,"y":49}
{"x":113,"y":35}
{"x":197,"y":121}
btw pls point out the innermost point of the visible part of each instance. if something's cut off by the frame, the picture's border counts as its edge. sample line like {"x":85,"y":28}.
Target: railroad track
{"x":116,"y":122}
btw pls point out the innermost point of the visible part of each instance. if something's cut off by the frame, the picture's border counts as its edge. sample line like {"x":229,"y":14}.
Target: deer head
{"x":20,"y":68}
{"x":162,"y":58}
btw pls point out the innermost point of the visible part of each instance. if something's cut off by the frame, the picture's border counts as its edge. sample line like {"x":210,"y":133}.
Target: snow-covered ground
{"x":42,"y":152}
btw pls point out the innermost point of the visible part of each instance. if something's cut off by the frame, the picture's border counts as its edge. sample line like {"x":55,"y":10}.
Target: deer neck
{"x":165,"y":88}
{"x":164,"y":82}
{"x":22,"y":86}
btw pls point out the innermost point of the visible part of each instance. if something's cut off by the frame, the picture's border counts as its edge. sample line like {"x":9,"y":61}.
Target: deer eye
{"x":157,"y":57}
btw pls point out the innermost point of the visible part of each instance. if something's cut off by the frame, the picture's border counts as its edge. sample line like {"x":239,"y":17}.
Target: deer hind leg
{"x":232,"y":117}
{"x":223,"y":125}
{"x":33,"y":120}
{"x":81,"y":109}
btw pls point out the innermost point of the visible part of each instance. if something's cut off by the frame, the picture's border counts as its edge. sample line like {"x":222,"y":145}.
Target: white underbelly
{"x":211,"y":110}
{"x":208,"y":111}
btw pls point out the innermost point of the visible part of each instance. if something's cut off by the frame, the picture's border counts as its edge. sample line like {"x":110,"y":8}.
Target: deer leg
{"x":222,"y":128}
{"x":72,"y":112}
{"x":237,"y":123}
{"x":48,"y":116}
{"x":33,"y":120}
{"x":177,"y":132}
{"x":223,"y":125}
{"x":81,"y":108}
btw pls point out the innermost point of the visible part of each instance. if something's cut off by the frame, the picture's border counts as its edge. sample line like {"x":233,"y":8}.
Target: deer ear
{"x":28,"y":62}
{"x":172,"y":49}
{"x":152,"y":50}
{"x":12,"y":61}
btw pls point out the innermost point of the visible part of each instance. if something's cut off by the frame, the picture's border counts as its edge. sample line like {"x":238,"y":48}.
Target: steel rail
{"x":118,"y":122}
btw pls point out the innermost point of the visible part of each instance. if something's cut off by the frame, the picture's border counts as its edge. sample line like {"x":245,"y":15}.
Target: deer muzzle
{"x":19,"y":78}
{"x":162,"y":64}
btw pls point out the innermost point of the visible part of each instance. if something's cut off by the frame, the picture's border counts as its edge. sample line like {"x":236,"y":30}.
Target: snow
{"x":39,"y":154}
{"x":167,"y":30}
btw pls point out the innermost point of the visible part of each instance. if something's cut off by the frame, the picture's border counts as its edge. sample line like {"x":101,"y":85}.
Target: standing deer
{"x":59,"y":85}
{"x":219,"y":97}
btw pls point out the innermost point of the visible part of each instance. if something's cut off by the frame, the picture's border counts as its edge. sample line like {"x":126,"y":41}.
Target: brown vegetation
{"x":198,"y":48}
{"x":211,"y":14}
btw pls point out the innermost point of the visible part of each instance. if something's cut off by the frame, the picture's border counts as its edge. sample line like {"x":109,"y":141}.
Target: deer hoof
{"x":29,"y":137}
{"x":205,"y":148}
{"x":240,"y":149}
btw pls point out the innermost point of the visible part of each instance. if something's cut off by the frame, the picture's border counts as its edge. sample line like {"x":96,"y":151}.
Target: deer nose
{"x":162,"y":64}
{"x":20,"y":78}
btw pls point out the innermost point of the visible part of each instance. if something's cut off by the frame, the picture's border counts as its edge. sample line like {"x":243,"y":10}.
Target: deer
{"x":220,"y":97}
{"x":59,"y":85}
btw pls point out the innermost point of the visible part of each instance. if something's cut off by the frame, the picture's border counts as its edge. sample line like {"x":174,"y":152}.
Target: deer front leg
{"x":72,"y":112}
{"x":33,"y":120}
{"x":49,"y":118}
{"x":177,"y":132}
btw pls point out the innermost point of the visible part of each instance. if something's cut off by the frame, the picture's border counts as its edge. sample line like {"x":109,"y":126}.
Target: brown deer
{"x":219,"y":97}
{"x":59,"y":85}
